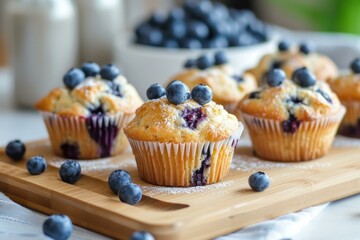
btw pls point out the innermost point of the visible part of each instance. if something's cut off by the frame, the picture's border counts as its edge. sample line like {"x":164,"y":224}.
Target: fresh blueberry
{"x":153,"y":38}
{"x":143,"y":30}
{"x":259,"y":30}
{"x":177,"y":92}
{"x":176,"y":29}
{"x":198,"y":30}
{"x":91,"y":69}
{"x":170,"y":43}
{"x":221,"y":58}
{"x":158,"y":19}
{"x":190,"y":63}
{"x":259,"y":181}
{"x":205,"y":61}
{"x":73,"y":77}
{"x":220,"y":11}
{"x":275,"y":77}
{"x":304,"y":78}
{"x":36,"y":165}
{"x":201,"y":94}
{"x":176,"y":14}
{"x":70,"y":171}
{"x":58,"y":227}
{"x":155,"y":91}
{"x":130,"y":194}
{"x":355,"y":65}
{"x":306,"y":48}
{"x":109,"y":72}
{"x":191,"y":43}
{"x":217,"y":42}
{"x":202,"y":8}
{"x":15,"y":150}
{"x":117,"y":179}
{"x":283,"y":46}
{"x":243,"y":39}
{"x":219,"y":28}
{"x":142,"y":235}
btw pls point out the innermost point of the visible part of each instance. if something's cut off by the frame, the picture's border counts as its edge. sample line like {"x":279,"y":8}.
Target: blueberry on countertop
{"x":141,"y":235}
{"x":201,"y":94}
{"x":117,"y":179}
{"x":275,"y":77}
{"x":109,"y":72}
{"x":36,"y":165}
{"x":15,"y":150}
{"x":58,"y":227}
{"x":190,"y":63}
{"x":259,"y":181}
{"x":306,"y":48}
{"x":177,"y":92}
{"x":304,"y":78}
{"x":205,"y":61}
{"x":91,"y":69}
{"x":73,"y":77}
{"x":155,"y":91}
{"x":70,"y":171}
{"x":355,"y":65}
{"x":221,"y":58}
{"x":283,"y":46}
{"x":130,"y":194}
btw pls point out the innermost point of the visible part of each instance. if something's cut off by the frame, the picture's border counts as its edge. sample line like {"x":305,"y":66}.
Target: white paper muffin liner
{"x":311,"y":140}
{"x":174,"y":164}
{"x":70,"y":135}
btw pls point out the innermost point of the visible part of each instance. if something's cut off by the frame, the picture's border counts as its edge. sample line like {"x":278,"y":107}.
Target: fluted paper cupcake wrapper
{"x":87,"y":137}
{"x":184,"y":164}
{"x":350,"y":126}
{"x":312,"y":139}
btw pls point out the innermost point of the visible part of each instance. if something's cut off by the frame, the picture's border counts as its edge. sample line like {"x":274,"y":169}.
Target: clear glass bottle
{"x":43,"y":42}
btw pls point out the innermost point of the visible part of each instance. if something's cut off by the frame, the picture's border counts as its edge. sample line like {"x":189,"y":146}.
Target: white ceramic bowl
{"x":144,"y":65}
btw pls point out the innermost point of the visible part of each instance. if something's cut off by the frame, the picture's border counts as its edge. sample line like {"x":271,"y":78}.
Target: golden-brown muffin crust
{"x":346,"y":86}
{"x":91,"y":94}
{"x":161,"y":121}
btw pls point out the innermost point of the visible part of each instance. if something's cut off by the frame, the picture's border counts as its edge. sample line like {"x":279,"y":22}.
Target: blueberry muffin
{"x":190,"y":140}
{"x":85,"y":118}
{"x":214,"y":71}
{"x":347,"y":87}
{"x":289,"y":58}
{"x":292,"y":120}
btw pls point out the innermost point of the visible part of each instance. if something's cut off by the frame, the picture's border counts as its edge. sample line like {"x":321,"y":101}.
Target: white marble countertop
{"x":340,"y":220}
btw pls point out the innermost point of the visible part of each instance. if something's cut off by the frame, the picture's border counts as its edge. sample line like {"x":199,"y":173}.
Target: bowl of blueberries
{"x":159,"y":45}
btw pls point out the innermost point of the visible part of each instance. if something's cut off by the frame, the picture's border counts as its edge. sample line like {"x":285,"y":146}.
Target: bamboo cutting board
{"x":180,"y":213}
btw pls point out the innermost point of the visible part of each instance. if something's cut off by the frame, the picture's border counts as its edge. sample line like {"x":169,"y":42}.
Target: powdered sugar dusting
{"x":98,"y":165}
{"x":158,"y":190}
{"x":246,"y":163}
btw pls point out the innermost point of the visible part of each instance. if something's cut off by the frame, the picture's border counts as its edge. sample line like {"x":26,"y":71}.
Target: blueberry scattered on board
{"x":259,"y":181}
{"x":130,"y":194}
{"x":142,"y":235}
{"x":201,"y":24}
{"x":58,"y":227}
{"x":117,"y":179}
{"x":70,"y":171}
{"x":36,"y":165}
{"x":15,"y":150}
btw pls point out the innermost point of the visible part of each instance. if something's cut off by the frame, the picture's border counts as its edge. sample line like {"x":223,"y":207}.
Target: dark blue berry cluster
{"x":304,"y":47}
{"x":120,"y":183}
{"x":177,"y":93}
{"x":75,"y":76}
{"x":201,"y":24}
{"x":207,"y":60}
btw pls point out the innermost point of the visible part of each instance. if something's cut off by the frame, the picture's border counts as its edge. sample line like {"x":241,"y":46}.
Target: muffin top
{"x":86,"y":93}
{"x":302,"y":98}
{"x":289,"y":58}
{"x":215,"y":72}
{"x":347,"y":85}
{"x":181,"y":117}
